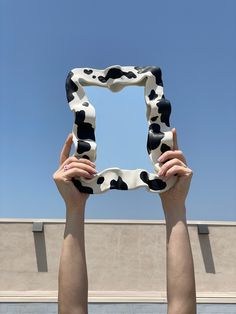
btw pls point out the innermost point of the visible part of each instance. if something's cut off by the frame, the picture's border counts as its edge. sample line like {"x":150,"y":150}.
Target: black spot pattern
{"x":115,"y":73}
{"x":94,"y":76}
{"x":164,"y":148}
{"x":100,"y":180}
{"x":164,"y":107}
{"x":79,"y":116}
{"x":86,"y":157}
{"x":71,"y":87}
{"x":88,"y":71}
{"x":118,"y":185}
{"x":81,"y":188}
{"x":157,"y":73}
{"x":154,"y":70}
{"x":154,"y":137}
{"x":152,"y":95}
{"x":154,"y":118}
{"x":155,"y":184}
{"x":83,"y":147}
{"x":85,"y":104}
{"x":84,"y":130}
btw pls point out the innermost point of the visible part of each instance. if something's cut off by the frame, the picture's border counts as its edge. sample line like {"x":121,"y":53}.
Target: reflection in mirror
{"x":121,"y":128}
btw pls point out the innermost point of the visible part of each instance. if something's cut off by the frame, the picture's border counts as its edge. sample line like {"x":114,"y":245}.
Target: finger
{"x":175,"y":143}
{"x":169,"y":164}
{"x":65,"y":153}
{"x":170,"y":154}
{"x":179,"y":171}
{"x":77,"y":172}
{"x":82,"y":166}
{"x":79,"y":160}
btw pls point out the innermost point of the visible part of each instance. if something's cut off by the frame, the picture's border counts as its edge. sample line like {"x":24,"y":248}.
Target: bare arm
{"x":73,"y":281}
{"x":181,"y":293}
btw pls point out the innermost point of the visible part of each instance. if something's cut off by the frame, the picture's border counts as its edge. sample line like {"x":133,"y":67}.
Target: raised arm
{"x":73,"y":281}
{"x":181,"y":293}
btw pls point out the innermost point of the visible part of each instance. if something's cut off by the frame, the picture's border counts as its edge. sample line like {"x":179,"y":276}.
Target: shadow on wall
{"x":203,"y":235}
{"x":40,"y":247}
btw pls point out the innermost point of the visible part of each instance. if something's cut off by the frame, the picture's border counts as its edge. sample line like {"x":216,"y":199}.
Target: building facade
{"x":126,"y":261}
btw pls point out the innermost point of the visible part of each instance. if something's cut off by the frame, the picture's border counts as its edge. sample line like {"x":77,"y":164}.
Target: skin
{"x":73,"y":281}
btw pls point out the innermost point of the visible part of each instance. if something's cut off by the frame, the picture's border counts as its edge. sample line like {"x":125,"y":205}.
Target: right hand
{"x":174,"y":163}
{"x":72,"y":167}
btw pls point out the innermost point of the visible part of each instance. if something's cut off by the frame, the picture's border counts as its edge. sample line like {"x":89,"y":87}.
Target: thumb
{"x":175,"y":143}
{"x":65,"y":153}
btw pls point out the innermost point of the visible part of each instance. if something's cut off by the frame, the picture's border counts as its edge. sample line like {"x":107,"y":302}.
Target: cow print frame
{"x":160,"y":137}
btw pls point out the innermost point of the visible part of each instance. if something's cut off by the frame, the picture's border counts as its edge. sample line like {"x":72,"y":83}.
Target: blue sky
{"x":193,"y":43}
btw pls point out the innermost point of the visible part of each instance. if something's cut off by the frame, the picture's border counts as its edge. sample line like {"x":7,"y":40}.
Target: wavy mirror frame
{"x":160,"y":138}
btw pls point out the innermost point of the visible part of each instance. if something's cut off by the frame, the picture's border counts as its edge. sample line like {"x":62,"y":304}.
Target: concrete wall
{"x":125,"y":259}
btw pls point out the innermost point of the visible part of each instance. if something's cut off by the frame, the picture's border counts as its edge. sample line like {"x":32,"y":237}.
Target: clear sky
{"x":194,"y":44}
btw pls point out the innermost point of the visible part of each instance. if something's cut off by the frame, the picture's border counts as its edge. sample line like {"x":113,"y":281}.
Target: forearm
{"x":73,"y":282}
{"x":181,"y":292}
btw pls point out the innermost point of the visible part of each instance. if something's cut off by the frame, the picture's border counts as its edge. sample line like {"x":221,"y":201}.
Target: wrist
{"x":169,"y":201}
{"x":74,"y":218}
{"x":174,"y":212}
{"x":75,"y":206}
{"x":75,"y":213}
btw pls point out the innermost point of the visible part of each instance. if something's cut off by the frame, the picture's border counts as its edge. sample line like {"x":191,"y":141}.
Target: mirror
{"x":158,"y":112}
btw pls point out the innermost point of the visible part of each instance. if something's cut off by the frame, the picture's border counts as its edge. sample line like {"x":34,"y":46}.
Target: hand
{"x":72,"y":167}
{"x":174,"y":163}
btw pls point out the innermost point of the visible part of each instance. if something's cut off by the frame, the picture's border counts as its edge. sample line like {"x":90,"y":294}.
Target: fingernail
{"x":160,"y":158}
